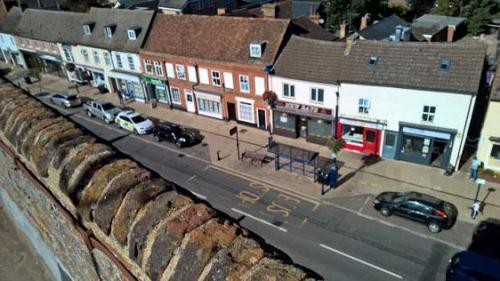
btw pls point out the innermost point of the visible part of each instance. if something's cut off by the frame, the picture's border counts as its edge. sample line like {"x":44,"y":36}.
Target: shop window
{"x":428,"y":113}
{"x":148,"y":66}
{"x":285,"y":121}
{"x":390,"y":139}
{"x":161,"y":93}
{"x":317,"y":95}
{"x":244,"y":85}
{"x":319,"y":128}
{"x":216,"y":78}
{"x":246,"y":112}
{"x":495,"y":152}
{"x":176,"y":97}
{"x":352,"y":134}
{"x":414,"y":145}
{"x":364,"y":105}
{"x":288,"y":90}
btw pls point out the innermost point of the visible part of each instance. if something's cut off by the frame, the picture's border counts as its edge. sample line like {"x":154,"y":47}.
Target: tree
{"x":449,"y":8}
{"x":335,"y":146}
{"x":481,"y":17}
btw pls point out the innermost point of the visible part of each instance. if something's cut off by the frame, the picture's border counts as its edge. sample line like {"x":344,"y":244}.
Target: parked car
{"x":102,"y":109}
{"x":174,"y":133}
{"x":486,"y":238}
{"x":66,"y":99}
{"x":134,"y":122}
{"x":435,"y":213}
{"x":471,"y":266}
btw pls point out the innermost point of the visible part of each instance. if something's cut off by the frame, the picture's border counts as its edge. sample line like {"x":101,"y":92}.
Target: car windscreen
{"x":107,"y":106}
{"x":71,"y":98}
{"x":138,"y":119}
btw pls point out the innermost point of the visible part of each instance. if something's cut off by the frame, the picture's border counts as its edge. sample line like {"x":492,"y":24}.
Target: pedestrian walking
{"x":120,"y":97}
{"x":476,"y":163}
{"x":475,"y":209}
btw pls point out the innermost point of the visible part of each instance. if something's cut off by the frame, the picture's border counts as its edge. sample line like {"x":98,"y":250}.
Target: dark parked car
{"x":486,"y":238}
{"x":471,"y":266}
{"x":174,"y":133}
{"x":435,"y":213}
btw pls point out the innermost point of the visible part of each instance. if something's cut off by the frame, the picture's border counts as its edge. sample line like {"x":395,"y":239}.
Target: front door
{"x":231,"y":111}
{"x":370,"y":141}
{"x":190,"y":106}
{"x":262,"y":118}
{"x":390,"y":144}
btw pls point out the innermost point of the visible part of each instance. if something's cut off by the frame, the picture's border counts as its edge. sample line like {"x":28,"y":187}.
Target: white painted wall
{"x":303,"y":91}
{"x":395,"y":105}
{"x":79,"y":60}
{"x":125,"y":62}
{"x":8,"y":43}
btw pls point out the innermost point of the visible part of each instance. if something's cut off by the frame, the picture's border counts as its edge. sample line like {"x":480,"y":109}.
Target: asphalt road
{"x":334,"y":242}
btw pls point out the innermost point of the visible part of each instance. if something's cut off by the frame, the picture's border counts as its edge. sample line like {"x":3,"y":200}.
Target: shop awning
{"x":124,"y":75}
{"x":51,"y":58}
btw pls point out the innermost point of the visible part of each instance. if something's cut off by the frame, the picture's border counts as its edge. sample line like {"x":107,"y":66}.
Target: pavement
{"x":358,"y":176}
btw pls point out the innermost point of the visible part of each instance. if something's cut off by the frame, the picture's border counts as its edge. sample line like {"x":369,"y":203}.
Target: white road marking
{"x":364,"y":204}
{"x":259,"y":220}
{"x":199,"y":195}
{"x":362,"y":261}
{"x":191,"y":178}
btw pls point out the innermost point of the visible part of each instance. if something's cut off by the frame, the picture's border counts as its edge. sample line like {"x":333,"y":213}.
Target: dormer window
{"x":133,"y":32}
{"x":87,"y":28}
{"x":108,"y":30}
{"x":372,"y":61}
{"x":444,"y":65}
{"x":255,"y":50}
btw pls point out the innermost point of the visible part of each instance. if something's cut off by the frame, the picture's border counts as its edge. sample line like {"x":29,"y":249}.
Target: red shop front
{"x":360,"y":135}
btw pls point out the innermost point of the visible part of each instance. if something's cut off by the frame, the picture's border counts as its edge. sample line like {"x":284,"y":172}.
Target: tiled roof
{"x":432,"y":24}
{"x":224,"y":39}
{"x":122,"y":20}
{"x":304,"y":27}
{"x":399,"y":64}
{"x":48,"y":25}
{"x":382,"y":29}
{"x":11,"y":21}
{"x":495,"y":88}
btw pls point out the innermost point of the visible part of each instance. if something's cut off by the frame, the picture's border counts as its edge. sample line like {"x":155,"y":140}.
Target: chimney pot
{"x":342,"y":31}
{"x":269,"y":10}
{"x":221,"y":11}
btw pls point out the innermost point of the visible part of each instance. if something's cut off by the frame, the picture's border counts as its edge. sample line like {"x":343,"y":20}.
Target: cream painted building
{"x":489,"y":143}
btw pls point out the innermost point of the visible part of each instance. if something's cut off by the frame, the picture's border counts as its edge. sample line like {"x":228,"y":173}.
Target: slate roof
{"x":49,"y":25}
{"x":224,"y":39}
{"x":383,"y":29}
{"x":123,"y":19}
{"x":495,"y":88}
{"x":137,"y":4}
{"x":173,"y":4}
{"x":400,"y":64}
{"x":10,"y":21}
{"x":288,"y":9}
{"x":304,"y":27}
{"x":432,"y":24}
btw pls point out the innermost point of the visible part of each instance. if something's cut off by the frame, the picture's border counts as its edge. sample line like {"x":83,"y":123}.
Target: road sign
{"x":481,"y":181}
{"x":233,"y":130}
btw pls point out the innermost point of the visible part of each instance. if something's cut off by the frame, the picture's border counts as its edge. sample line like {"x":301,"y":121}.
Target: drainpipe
{"x":464,"y":133}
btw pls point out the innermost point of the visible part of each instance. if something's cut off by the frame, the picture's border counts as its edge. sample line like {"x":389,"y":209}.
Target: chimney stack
{"x":451,"y":34}
{"x":342,"y":31}
{"x":221,"y":11}
{"x":364,"y":21}
{"x":350,"y":42}
{"x":269,"y":10}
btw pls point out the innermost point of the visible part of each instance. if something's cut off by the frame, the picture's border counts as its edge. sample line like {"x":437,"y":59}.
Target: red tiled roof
{"x":218,"y":38}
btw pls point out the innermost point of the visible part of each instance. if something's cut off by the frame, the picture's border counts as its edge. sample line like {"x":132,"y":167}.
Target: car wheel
{"x":433,"y":227}
{"x":89,"y":113}
{"x":118,"y":125}
{"x":178,"y":144}
{"x":385,"y":212}
{"x":157,"y":138}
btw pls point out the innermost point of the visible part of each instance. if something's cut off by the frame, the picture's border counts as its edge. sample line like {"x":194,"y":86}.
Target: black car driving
{"x":174,"y":133}
{"x":431,"y":211}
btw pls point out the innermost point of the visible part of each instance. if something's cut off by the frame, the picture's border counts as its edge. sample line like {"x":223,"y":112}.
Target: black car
{"x":435,"y":213}
{"x":486,"y":238}
{"x":174,"y":133}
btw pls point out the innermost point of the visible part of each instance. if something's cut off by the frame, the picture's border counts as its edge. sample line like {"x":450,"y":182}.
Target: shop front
{"x":425,"y":144}
{"x":315,"y":124}
{"x":209,"y":104}
{"x":156,"y":89}
{"x":361,"y":135}
{"x":52,"y":64}
{"x":128,"y":84}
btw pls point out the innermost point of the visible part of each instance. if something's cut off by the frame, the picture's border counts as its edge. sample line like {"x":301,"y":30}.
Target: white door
{"x":189,"y":101}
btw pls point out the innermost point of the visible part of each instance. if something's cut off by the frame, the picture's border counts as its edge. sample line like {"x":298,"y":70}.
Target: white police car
{"x":134,"y":122}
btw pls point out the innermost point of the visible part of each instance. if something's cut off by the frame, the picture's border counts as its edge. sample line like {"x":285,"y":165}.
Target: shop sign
{"x":304,"y":108}
{"x":154,"y":81}
{"x":361,"y":124}
{"x":427,"y":133}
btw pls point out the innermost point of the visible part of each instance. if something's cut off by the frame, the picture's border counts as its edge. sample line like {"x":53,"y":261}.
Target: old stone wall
{"x":104,"y":217}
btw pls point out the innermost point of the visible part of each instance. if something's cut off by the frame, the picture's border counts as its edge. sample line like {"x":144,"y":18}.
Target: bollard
{"x":218,"y":155}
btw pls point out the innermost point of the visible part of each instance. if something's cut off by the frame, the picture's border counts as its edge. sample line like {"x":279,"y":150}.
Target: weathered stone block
{"x":35,"y":130}
{"x":76,"y":144}
{"x":273,"y":270}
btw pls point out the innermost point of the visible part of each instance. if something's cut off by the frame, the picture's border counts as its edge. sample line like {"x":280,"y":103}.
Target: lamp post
{"x":335,"y":133}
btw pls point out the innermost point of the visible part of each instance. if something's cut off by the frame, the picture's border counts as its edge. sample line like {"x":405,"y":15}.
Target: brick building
{"x":212,"y":66}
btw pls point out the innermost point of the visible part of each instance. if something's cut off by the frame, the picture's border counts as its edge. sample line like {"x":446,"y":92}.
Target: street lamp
{"x":335,"y":133}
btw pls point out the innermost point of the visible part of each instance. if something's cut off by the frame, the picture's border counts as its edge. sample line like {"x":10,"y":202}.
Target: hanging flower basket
{"x":270,"y":97}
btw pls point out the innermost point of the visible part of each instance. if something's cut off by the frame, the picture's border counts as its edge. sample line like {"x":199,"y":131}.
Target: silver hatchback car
{"x":66,"y":99}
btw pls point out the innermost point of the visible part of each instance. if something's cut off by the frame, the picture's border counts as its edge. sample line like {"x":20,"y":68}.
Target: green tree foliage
{"x":477,"y":12}
{"x":338,"y":11}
